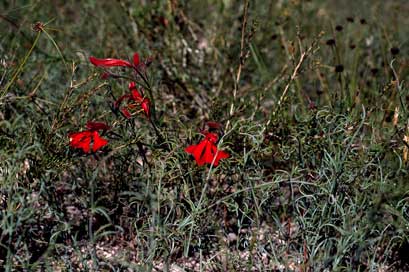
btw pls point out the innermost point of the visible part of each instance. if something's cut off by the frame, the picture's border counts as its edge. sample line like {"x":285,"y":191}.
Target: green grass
{"x":314,"y":118}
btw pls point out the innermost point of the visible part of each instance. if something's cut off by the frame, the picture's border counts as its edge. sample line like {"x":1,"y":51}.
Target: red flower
{"x":84,"y":139}
{"x":115,"y":62}
{"x":206,"y":151}
{"x":134,"y":99}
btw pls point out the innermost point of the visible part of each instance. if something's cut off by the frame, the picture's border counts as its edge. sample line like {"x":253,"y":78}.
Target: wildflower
{"x":136,"y":64}
{"x":85,"y":139}
{"x":206,"y":151}
{"x":115,"y":62}
{"x":134,"y":98}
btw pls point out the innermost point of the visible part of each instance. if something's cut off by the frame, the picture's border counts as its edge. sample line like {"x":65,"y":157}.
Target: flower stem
{"x":20,"y":68}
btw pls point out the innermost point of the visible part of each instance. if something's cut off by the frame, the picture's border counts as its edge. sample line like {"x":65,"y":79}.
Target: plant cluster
{"x":205,"y":152}
{"x":258,"y":135}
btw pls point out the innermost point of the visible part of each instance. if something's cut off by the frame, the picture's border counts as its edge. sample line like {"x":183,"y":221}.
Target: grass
{"x":312,"y":102}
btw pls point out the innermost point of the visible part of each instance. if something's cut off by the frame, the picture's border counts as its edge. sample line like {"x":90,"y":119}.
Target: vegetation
{"x":295,"y":112}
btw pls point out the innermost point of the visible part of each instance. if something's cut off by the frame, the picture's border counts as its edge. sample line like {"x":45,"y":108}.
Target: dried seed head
{"x":395,"y":51}
{"x":330,"y":42}
{"x":339,"y":68}
{"x":274,"y":37}
{"x":374,"y":71}
{"x":38,"y":27}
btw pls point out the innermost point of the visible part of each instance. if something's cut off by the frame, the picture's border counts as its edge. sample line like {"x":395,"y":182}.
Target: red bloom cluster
{"x":206,"y":151}
{"x":134,"y":99}
{"x":89,"y":139}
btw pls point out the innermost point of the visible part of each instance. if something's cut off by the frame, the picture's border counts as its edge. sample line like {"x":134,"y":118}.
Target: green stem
{"x":58,"y":49}
{"x":150,"y":94}
{"x":20,"y":68}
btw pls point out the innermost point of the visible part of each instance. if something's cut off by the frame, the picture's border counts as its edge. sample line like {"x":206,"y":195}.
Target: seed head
{"x":339,"y":68}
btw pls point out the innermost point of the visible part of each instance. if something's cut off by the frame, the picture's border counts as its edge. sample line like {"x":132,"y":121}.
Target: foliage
{"x":308,"y":98}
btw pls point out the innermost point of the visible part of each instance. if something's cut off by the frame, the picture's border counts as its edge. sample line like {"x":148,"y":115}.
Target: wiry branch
{"x":304,"y":55}
{"x":242,"y":59}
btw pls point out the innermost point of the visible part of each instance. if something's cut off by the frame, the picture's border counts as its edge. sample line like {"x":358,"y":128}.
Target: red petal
{"x":220,"y":155}
{"x":136,"y":96}
{"x":146,"y":107}
{"x":126,"y":113}
{"x":109,"y":62}
{"x":120,"y":99}
{"x":190,"y":149}
{"x":131,"y":85}
{"x":98,"y":142}
{"x":209,"y":153}
{"x":212,"y":137}
{"x":196,"y":151}
{"x":97,"y":126}
{"x":136,"y":59}
{"x":81,"y":140}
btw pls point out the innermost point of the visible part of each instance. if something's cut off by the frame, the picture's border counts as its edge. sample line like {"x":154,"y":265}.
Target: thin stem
{"x":297,"y":68}
{"x":242,"y":57}
{"x":90,"y":220}
{"x":58,"y":49}
{"x":150,"y":93}
{"x":20,"y":68}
